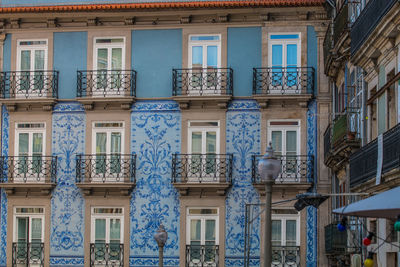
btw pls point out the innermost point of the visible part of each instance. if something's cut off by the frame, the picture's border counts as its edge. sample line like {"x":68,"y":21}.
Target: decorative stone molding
{"x":186,"y":19}
{"x":130,"y":21}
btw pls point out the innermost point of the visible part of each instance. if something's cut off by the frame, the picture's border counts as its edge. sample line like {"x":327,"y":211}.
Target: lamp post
{"x":161,"y":238}
{"x":269,"y":168}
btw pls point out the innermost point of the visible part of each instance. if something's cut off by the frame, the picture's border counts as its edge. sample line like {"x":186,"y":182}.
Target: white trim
{"x":284,"y":42}
{"x":29,"y":131}
{"x":204,"y":44}
{"x":284,"y":129}
{"x":107,"y":217}
{"x":109,"y":47}
{"x":283,"y":218}
{"x":30,"y":216}
{"x":204,"y":130}
{"x":108,"y":131}
{"x":32,"y":48}
{"x":203,"y":218}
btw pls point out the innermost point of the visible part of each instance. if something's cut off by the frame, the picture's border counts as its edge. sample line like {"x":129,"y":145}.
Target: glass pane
{"x":116,"y":143}
{"x":196,"y":142}
{"x":36,"y":235}
{"x":22,"y":224}
{"x":197,"y":57}
{"x":276,"y":137}
{"x":212,"y":56}
{"x":291,"y":141}
{"x":39,"y":59}
{"x":23,"y":144}
{"x":276,"y":55}
{"x":37,"y":145}
{"x":195,"y":230}
{"x":101,"y":139}
{"x":26,"y":60}
{"x":115,"y":230}
{"x":291,"y":233}
{"x":100,"y":231}
{"x":276,"y":233}
{"x":116,"y":59}
{"x":210,"y":230}
{"x":211,"y":142}
{"x":102,"y":58}
{"x":291,"y":59}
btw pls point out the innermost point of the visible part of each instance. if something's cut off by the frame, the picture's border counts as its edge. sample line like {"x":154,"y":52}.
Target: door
{"x":30,"y":152}
{"x":108,"y":154}
{"x":29,"y":247}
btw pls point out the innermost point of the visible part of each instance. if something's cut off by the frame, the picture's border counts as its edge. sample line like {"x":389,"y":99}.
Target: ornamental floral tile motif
{"x":5,"y":126}
{"x":67,"y":203}
{"x":155,"y":135}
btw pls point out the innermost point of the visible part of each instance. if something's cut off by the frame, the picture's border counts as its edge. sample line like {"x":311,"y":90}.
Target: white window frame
{"x":204,"y":130}
{"x":32,"y":48}
{"x":30,"y":131}
{"x":204,"y":44}
{"x":203,"y":218}
{"x":283,"y":218}
{"x":30,"y":216}
{"x":284,"y":42}
{"x":108,"y":131}
{"x":109,"y":47}
{"x":107,"y":217}
{"x":285,"y":128}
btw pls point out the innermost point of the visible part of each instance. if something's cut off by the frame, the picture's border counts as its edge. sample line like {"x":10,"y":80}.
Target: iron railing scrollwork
{"x":110,"y":254}
{"x":285,"y":256}
{"x":202,"y":81}
{"x":27,"y":254}
{"x":28,"y":169}
{"x":29,"y":84}
{"x":106,"y":168}
{"x":202,"y":255}
{"x":288,"y":80}
{"x":202,"y":168}
{"x":106,"y":83}
{"x":295,"y":169}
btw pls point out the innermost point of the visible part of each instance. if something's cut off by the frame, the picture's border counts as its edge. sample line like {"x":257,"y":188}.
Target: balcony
{"x":106,"y":88}
{"x":368,"y":20}
{"x":111,"y":174}
{"x":285,"y":256}
{"x":36,"y":89}
{"x":343,"y":138}
{"x":22,"y":175}
{"x":335,"y":241}
{"x":202,"y":173}
{"x":296,"y":174}
{"x":294,"y":84}
{"x":28,"y":254}
{"x":363,"y":163}
{"x":202,"y":86}
{"x":202,"y":255}
{"x":102,"y":254}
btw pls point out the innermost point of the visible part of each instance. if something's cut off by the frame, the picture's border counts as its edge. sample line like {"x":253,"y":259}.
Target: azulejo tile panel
{"x":5,"y":126}
{"x":311,"y":257}
{"x":155,"y":136}
{"x":67,"y":203}
{"x":243,"y":140}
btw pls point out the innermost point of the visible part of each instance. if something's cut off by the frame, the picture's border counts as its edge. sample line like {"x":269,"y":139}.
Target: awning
{"x":382,"y":205}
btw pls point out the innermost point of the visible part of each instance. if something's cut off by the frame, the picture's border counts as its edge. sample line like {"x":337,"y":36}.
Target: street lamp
{"x":269,"y":168}
{"x":161,"y":238}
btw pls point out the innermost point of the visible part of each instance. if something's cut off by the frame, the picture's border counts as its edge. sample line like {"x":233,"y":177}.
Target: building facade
{"x":117,"y":118}
{"x":361,"y":146}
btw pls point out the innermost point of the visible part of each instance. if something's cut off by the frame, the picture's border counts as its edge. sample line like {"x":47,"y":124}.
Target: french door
{"x":30,"y":148}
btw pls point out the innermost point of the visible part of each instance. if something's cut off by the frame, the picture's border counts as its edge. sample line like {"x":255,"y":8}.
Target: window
{"x":109,"y":62}
{"x":28,"y":235}
{"x":204,"y":60}
{"x":108,"y":147}
{"x":29,"y":146}
{"x":284,"y":59}
{"x":202,"y":236}
{"x":106,"y":238}
{"x":285,"y":228}
{"x":31,"y":63}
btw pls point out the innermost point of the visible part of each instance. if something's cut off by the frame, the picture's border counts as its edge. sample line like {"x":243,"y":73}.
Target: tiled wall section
{"x":243,"y":140}
{"x":5,"y":125}
{"x":156,"y":135}
{"x":67,"y":204}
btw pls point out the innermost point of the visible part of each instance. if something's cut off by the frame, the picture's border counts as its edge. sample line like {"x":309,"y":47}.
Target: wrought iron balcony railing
{"x":106,"y":168}
{"x":363,"y":163}
{"x":283,"y":81}
{"x":346,"y":126}
{"x":368,"y":20}
{"x":29,"y":84}
{"x":202,"y":82}
{"x":285,"y":256}
{"x":202,"y":255}
{"x":341,"y":23}
{"x":28,"y":254}
{"x":295,"y":169}
{"x":106,"y":83}
{"x":28,"y":169}
{"x":202,"y":168}
{"x":335,"y":241}
{"x":328,"y":43}
{"x":102,"y":254}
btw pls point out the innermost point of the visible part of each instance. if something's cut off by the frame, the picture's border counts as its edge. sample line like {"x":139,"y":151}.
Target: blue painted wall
{"x":7,"y":53}
{"x":244,"y":53}
{"x":154,"y":54}
{"x":312,"y":53}
{"x":70,"y":53}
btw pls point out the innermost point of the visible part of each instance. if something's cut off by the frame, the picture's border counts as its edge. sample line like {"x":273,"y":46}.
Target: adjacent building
{"x":119,"y":116}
